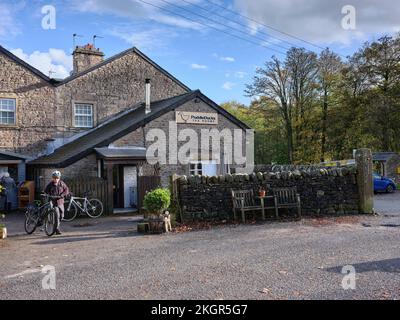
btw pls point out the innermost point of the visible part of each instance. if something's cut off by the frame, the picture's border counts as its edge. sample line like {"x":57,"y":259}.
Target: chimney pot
{"x":86,"y":57}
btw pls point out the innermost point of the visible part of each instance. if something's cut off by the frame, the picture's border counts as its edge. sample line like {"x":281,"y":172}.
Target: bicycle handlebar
{"x":51,"y":197}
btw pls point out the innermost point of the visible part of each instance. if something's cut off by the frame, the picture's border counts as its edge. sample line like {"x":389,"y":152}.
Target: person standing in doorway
{"x":58,"y":188}
{"x":10,"y":187}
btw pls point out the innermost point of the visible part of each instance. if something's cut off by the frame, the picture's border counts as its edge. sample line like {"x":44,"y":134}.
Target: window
{"x":196,"y":169}
{"x":83,"y":115}
{"x":7,"y":111}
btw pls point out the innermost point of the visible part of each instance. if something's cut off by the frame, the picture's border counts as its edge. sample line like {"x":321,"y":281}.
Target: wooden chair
{"x":287,"y":198}
{"x":244,"y":201}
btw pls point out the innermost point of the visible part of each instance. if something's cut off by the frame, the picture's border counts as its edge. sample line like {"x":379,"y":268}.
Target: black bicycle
{"x":45,"y":214}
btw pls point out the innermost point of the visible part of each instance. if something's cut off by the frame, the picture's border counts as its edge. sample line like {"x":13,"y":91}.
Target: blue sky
{"x":200,"y":56}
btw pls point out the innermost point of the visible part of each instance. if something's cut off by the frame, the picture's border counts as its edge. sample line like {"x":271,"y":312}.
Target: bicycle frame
{"x":73,"y":200}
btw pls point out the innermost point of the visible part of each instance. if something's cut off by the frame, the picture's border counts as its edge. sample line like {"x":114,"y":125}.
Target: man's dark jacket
{"x":57,"y":189}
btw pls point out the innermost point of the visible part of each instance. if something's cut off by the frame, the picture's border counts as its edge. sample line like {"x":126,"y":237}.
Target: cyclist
{"x":58,"y":188}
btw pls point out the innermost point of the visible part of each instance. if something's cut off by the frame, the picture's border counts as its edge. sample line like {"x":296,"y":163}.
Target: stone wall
{"x":323,"y":192}
{"x":35,"y":114}
{"x":138,"y":137}
{"x":45,"y":111}
{"x":112,"y":88}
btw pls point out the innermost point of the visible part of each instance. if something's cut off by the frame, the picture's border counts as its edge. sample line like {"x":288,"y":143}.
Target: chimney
{"x":148,"y":94}
{"x":85,"y":57}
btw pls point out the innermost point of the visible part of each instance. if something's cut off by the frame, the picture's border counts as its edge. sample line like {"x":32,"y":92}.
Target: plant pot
{"x":3,"y":232}
{"x":262,"y":194}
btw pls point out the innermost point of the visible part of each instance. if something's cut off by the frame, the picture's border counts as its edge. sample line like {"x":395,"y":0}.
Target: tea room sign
{"x":196,"y":117}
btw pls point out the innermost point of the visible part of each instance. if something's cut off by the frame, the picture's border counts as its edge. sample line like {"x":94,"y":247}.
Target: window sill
{"x":9,"y":126}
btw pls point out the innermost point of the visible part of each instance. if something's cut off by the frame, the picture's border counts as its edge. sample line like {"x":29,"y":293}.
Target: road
{"x":107,"y":259}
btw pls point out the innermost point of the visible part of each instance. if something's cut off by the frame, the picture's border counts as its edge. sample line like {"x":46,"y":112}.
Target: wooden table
{"x":266,"y":208}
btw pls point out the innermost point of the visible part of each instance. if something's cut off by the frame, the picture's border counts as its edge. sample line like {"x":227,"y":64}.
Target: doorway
{"x":125,"y":187}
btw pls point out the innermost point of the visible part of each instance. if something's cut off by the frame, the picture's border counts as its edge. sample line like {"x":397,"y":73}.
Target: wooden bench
{"x":244,"y":201}
{"x":287,"y":198}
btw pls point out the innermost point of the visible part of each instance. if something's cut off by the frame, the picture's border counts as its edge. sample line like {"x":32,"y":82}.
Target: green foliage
{"x":310,"y":109}
{"x":157,"y":200}
{"x":2,"y":216}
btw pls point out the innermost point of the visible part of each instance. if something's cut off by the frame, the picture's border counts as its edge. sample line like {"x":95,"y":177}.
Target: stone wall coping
{"x":271,"y":175}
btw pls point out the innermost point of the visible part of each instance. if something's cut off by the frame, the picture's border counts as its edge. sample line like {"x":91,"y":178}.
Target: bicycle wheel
{"x":31,"y":220}
{"x":51,"y":223}
{"x":95,"y":208}
{"x":70,"y":214}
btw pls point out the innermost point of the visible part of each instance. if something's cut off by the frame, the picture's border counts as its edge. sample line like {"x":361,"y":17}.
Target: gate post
{"x":175,"y":195}
{"x":365,"y":181}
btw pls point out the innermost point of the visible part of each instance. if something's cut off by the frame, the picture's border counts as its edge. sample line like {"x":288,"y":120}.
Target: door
{"x":118,"y":186}
{"x":130,"y":187}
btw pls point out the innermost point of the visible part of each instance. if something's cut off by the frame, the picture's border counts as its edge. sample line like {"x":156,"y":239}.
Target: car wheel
{"x":389,"y":188}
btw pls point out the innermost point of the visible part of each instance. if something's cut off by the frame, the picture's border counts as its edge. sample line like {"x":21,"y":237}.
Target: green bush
{"x":2,"y":216}
{"x":157,"y":200}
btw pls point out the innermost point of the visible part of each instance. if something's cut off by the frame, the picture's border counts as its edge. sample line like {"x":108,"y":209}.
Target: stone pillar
{"x":364,"y":180}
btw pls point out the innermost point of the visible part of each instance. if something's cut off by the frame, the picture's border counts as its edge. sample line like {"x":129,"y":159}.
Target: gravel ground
{"x":107,"y":259}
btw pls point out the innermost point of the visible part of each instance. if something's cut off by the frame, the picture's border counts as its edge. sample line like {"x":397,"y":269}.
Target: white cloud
{"x":320,"y":21}
{"x":146,"y":40}
{"x":8,"y":24}
{"x":133,"y":9}
{"x":228,"y":85}
{"x":240,"y":74}
{"x":226,"y":59}
{"x":55,"y":60}
{"x":198,"y":66}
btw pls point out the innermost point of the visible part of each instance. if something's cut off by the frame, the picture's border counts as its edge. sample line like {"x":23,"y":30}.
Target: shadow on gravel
{"x":388,"y":265}
{"x":87,"y":237}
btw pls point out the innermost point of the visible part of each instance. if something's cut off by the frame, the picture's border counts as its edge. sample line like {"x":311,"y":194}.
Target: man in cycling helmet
{"x":57,"y":187}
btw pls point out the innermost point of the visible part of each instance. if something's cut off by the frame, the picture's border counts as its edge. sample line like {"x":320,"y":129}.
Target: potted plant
{"x":155,"y":203}
{"x":3,"y":229}
{"x":262,"y":192}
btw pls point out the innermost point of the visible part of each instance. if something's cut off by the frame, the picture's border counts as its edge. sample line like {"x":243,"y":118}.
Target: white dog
{"x":167,"y":221}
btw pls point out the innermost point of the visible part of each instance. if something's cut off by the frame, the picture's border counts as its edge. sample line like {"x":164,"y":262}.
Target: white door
{"x":209,"y":168}
{"x":130,"y":187}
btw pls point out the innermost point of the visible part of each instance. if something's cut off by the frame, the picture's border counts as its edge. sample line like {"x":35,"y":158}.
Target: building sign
{"x":196,"y":117}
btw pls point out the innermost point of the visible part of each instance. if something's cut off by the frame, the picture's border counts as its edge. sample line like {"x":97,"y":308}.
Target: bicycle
{"x":92,"y":207}
{"x":36,"y":215}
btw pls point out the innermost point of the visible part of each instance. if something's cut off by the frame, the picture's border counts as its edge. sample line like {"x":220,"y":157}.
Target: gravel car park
{"x":107,"y":259}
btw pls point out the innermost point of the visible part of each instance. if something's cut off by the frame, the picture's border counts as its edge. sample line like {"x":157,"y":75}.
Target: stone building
{"x":95,"y":123}
{"x":387,"y":164}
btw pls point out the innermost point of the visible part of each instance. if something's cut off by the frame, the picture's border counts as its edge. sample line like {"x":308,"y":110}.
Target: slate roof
{"x":120,"y":153}
{"x":120,"y":125}
{"x":7,"y":155}
{"x":382,"y":156}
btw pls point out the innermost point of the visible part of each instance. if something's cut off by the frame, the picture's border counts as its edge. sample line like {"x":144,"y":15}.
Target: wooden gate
{"x":97,"y":188}
{"x":146,"y":184}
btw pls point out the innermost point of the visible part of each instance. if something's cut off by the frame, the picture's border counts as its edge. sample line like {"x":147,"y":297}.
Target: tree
{"x":273,"y":82}
{"x":329,"y":67}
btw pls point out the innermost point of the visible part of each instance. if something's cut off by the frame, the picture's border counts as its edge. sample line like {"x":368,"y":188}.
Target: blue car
{"x":383,"y":184}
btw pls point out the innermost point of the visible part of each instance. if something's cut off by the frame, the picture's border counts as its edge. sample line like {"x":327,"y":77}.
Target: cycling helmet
{"x":56,"y":174}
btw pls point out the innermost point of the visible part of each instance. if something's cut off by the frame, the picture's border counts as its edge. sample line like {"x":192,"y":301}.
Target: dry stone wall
{"x":330,"y":191}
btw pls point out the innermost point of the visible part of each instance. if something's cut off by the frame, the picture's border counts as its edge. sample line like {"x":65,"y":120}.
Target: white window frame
{"x":195,"y":168}
{"x":7,"y":109}
{"x":77,"y":114}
